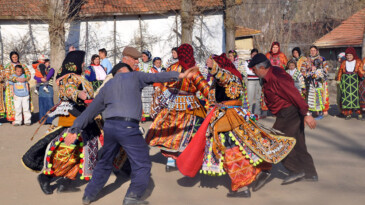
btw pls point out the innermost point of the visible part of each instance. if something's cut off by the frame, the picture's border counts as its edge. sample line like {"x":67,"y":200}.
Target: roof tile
{"x":349,"y":33}
{"x":22,"y":8}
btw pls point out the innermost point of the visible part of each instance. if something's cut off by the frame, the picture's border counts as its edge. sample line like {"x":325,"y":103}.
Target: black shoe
{"x":64,"y":186}
{"x":170,"y":168}
{"x":87,"y":200}
{"x":240,"y":194}
{"x":44,"y":181}
{"x":260,"y":181}
{"x":133,"y":201}
{"x":293,"y":177}
{"x":311,"y":178}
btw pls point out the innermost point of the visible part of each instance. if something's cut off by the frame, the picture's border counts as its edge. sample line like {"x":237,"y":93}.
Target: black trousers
{"x":291,"y":122}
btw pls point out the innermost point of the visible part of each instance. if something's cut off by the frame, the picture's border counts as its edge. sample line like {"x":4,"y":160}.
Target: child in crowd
{"x":157,"y":66}
{"x":21,"y":98}
{"x":41,"y":72}
{"x":297,"y":76}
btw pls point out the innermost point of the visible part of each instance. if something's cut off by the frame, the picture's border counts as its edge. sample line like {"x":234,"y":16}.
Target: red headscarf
{"x":227,"y":64}
{"x":352,"y":51}
{"x":185,"y":55}
{"x":272,"y":45}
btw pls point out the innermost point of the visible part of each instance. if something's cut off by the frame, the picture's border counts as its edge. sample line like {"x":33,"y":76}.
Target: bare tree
{"x":363,"y":46}
{"x":142,"y":38}
{"x":59,"y":13}
{"x":56,"y":21}
{"x":293,"y":23}
{"x":187,"y":21}
{"x":229,"y":23}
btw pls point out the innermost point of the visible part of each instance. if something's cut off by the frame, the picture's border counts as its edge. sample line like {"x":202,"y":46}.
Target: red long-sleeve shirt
{"x":280,"y":92}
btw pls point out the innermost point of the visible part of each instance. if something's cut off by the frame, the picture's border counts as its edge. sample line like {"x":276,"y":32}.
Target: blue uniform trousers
{"x":126,"y":134}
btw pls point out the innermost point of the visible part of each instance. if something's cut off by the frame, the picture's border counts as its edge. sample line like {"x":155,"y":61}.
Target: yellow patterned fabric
{"x":2,"y":89}
{"x":71,"y":85}
{"x":66,"y":121}
{"x":2,"y":103}
{"x":10,"y":70}
{"x":232,"y":85}
{"x":9,"y":94}
{"x":9,"y":102}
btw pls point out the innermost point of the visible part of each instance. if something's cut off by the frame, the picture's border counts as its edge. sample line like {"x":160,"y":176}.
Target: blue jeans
{"x":45,"y":101}
{"x":126,"y":134}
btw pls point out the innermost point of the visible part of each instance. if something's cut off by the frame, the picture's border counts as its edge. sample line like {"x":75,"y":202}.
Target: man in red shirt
{"x":291,"y":111}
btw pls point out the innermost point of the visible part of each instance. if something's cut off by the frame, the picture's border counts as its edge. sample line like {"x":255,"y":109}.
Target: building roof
{"x":349,"y":33}
{"x":32,"y":9}
{"x":243,"y":32}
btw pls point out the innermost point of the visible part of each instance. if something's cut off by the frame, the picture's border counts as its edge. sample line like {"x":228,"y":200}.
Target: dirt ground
{"x":337,"y":146}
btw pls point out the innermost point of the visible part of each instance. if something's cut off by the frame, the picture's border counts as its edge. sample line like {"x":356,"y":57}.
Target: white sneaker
{"x":46,"y":89}
{"x":36,"y":92}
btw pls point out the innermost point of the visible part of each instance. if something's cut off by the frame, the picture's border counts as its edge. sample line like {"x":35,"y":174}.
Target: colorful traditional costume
{"x":50,"y":153}
{"x":300,"y":60}
{"x":349,"y":76}
{"x":277,"y":59}
{"x":146,"y":66}
{"x":233,"y":142}
{"x":9,"y":93}
{"x":147,"y":92}
{"x":316,"y":83}
{"x":298,"y":78}
{"x":156,"y":89}
{"x":95,"y":74}
{"x":2,"y":89}
{"x":172,"y":60}
{"x":241,"y":67}
{"x":179,"y":112}
{"x":362,"y":90}
{"x":341,"y":57}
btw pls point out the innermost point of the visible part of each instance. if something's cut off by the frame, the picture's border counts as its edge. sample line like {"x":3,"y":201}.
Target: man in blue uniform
{"x":120,"y":99}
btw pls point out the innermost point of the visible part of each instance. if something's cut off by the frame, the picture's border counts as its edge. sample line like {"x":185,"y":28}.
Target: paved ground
{"x":337,"y":146}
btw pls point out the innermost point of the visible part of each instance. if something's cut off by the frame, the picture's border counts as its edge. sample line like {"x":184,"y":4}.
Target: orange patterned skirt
{"x":2,"y":103}
{"x":239,"y":169}
{"x":172,"y":130}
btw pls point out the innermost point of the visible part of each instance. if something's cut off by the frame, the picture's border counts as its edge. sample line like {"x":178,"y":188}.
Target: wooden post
{"x":177,"y":31}
{"x":140,"y":33}
{"x":87,"y":39}
{"x":35,"y":54}
{"x":115,"y":40}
